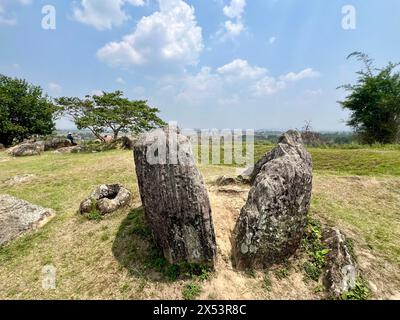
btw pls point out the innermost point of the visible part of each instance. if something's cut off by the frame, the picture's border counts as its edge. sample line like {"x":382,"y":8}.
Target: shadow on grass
{"x":136,"y":250}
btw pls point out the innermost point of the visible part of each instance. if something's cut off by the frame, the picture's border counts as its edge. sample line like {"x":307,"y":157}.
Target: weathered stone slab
{"x":56,"y":143}
{"x":27,"y":149}
{"x":18,"y":216}
{"x":19,"y":179}
{"x":341,"y":271}
{"x":272,"y":222}
{"x":66,"y":150}
{"x":174,"y":197}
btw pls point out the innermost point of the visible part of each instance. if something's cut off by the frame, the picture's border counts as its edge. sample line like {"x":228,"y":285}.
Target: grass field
{"x":356,"y":189}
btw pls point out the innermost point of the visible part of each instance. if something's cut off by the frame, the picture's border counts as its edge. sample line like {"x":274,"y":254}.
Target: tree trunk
{"x":116,"y":133}
{"x":175,"y":199}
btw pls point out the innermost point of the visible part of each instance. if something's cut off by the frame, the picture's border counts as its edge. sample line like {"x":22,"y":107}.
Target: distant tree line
{"x":26,"y":111}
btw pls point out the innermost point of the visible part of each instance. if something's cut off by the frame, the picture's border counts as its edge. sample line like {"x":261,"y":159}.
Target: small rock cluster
{"x":32,"y":147}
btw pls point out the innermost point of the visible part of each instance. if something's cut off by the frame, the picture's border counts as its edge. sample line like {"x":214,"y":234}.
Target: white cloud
{"x":238,"y":82}
{"x":7,"y":18}
{"x":272,"y":40}
{"x":195,"y":88}
{"x":169,"y":37}
{"x":235,"y":26}
{"x":103,"y":14}
{"x":306,"y":73}
{"x":137,"y":3}
{"x":55,"y":87}
{"x":231,"y":84}
{"x":240,"y":69}
{"x":268,"y":86}
{"x":235,"y":9}
{"x":233,"y":29}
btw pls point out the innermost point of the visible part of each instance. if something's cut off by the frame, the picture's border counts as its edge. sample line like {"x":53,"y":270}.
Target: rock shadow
{"x":135,"y":250}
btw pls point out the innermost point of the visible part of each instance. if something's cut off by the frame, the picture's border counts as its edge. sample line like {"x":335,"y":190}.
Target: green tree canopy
{"x":24,"y":111}
{"x":109,"y":112}
{"x":374,"y":102}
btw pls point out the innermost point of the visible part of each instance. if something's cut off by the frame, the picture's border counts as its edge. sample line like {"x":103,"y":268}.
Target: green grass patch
{"x":267,"y":284}
{"x":361,"y":291}
{"x":315,"y":250}
{"x":191,"y":290}
{"x":153,"y":258}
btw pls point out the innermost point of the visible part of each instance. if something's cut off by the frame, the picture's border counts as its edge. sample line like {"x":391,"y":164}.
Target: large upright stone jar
{"x":272,"y":222}
{"x":174,"y":197}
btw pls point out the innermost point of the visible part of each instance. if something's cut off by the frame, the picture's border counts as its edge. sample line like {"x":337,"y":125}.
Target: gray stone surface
{"x":272,"y":222}
{"x":245,"y":175}
{"x":226,"y":180}
{"x":27,"y":149}
{"x":174,"y":198}
{"x":341,"y":271}
{"x":74,"y":149}
{"x":19,"y":179}
{"x":18,"y":216}
{"x":56,"y":143}
{"x":106,"y":198}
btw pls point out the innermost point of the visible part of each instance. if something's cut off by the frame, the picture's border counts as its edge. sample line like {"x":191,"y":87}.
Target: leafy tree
{"x":24,"y":111}
{"x":109,"y":112}
{"x":374,"y":102}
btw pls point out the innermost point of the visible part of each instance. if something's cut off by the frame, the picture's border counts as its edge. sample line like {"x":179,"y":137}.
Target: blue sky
{"x":204,"y":63}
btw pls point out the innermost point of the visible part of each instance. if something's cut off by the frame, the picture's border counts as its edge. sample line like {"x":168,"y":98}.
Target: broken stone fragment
{"x":106,"y":199}
{"x":340,"y":272}
{"x":174,"y":197}
{"x":272,"y":222}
